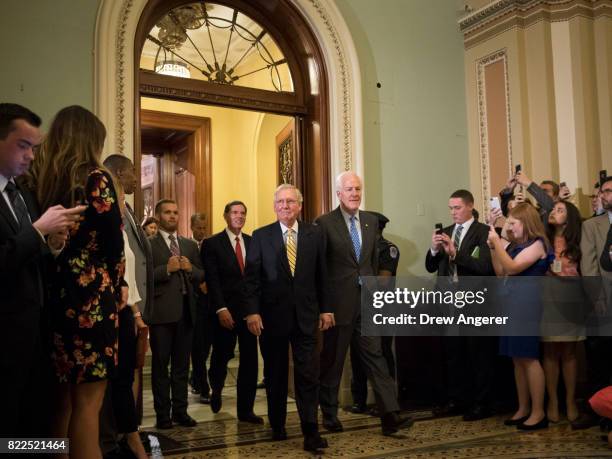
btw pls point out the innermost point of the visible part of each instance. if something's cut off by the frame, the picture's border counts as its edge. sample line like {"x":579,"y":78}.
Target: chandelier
{"x":214,"y":40}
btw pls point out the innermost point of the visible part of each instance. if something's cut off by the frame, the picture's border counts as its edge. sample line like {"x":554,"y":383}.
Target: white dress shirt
{"x":232,"y":238}
{"x":284,"y":230}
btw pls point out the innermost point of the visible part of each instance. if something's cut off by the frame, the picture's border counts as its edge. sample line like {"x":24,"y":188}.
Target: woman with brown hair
{"x":564,"y":231}
{"x":86,"y":289}
{"x":528,"y":254}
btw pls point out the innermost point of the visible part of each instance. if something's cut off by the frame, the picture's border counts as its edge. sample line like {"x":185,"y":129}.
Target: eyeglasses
{"x":606,"y":191}
{"x":289,"y":202}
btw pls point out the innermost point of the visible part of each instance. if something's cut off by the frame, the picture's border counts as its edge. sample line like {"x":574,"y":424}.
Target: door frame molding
{"x":115,"y":73}
{"x":202,"y":148}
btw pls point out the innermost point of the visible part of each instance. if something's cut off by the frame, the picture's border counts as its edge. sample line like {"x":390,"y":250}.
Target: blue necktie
{"x":355,"y":238}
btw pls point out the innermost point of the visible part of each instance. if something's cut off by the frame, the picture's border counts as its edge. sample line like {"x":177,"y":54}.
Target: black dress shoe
{"x":515,"y":422}
{"x":392,"y":422}
{"x":358,"y":408}
{"x":205,"y":399}
{"x":215,"y":402}
{"x":585,"y":421}
{"x":332,"y":424}
{"x":477,"y":413}
{"x":314,"y":443}
{"x":163,"y":423}
{"x":184,"y":420}
{"x":543,"y":424}
{"x":279,"y":434}
{"x":449,"y":409}
{"x":251,"y":418}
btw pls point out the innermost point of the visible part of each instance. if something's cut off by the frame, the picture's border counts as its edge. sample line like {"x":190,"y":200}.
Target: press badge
{"x":556,"y":266}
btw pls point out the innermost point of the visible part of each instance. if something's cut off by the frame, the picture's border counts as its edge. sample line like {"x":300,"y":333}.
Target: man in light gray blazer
{"x":351,"y":241}
{"x":177,"y":274}
{"x":592,"y":245}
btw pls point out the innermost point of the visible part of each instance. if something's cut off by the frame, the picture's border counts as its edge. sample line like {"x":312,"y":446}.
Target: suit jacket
{"x":141,"y":247}
{"x":168,"y":302}
{"x":606,"y":258}
{"x":22,"y":256}
{"x":469,"y":260}
{"x":342,"y":292}
{"x":592,"y":245}
{"x":223,"y":277}
{"x":270,"y":290}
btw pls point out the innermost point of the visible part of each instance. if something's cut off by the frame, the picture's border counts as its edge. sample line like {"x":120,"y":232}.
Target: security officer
{"x":388,"y":258}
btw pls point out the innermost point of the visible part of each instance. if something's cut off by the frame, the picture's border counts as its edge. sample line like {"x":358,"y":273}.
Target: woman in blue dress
{"x":528,"y":254}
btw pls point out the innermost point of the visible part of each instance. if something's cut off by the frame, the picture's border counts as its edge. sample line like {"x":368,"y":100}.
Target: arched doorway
{"x":117,"y":82}
{"x":167,"y":27}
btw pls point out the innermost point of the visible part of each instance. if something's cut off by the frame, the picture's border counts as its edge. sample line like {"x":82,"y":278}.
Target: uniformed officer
{"x":388,"y":258}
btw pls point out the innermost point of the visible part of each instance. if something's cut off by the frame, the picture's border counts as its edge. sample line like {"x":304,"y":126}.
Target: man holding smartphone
{"x":461,"y":250}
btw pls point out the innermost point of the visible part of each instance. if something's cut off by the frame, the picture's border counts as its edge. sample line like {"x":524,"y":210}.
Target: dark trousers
{"x":224,"y":343}
{"x":275,"y":352}
{"x":359,"y":379}
{"x":200,"y":349}
{"x":26,"y":385}
{"x":470,"y":365}
{"x":170,"y":345}
{"x":118,"y":413}
{"x":336,"y":341}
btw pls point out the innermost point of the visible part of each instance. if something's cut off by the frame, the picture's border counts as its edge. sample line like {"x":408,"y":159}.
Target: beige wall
{"x":243,"y":157}
{"x":559,"y":78}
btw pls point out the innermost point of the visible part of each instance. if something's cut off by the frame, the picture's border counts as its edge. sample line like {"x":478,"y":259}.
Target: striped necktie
{"x":456,"y":241}
{"x":355,"y":238}
{"x":291,"y":250}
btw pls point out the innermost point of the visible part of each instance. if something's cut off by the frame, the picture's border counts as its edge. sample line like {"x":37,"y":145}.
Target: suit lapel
{"x":5,"y":211}
{"x":278,"y":243}
{"x":159,"y":240}
{"x":467,"y":239}
{"x":343,"y":232}
{"x":230,"y":252}
{"x":131,"y":218}
{"x":603,"y":227}
{"x":302,"y":245}
{"x":367,"y":235}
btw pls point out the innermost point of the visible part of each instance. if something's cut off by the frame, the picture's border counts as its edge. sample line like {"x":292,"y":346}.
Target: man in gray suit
{"x":351,"y":239}
{"x":177,"y":274}
{"x":592,"y":244}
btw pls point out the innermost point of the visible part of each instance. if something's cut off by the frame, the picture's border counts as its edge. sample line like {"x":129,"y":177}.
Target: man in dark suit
{"x":119,"y":413}
{"x":284,"y":272}
{"x":203,"y":330}
{"x":461,"y":250}
{"x":177,"y":273}
{"x":224,"y":256}
{"x":26,"y":238}
{"x":351,"y":240}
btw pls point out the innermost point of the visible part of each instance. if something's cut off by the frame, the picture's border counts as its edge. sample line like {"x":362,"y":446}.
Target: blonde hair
{"x":533,"y":228}
{"x":71,"y":149}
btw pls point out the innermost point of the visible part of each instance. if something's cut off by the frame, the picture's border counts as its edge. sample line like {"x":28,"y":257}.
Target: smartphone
{"x":517,"y":169}
{"x":439,"y":228}
{"x":603,"y":175}
{"x":494,"y":201}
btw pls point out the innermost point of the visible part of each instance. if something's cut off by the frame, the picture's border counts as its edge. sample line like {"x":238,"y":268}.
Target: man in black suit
{"x":284,"y":272}
{"x":461,"y":250}
{"x":203,"y":330}
{"x":26,"y":238}
{"x":351,"y":241}
{"x":177,"y":273}
{"x":224,"y":256}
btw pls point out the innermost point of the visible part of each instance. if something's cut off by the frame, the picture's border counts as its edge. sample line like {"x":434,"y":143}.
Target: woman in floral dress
{"x":86,"y":286}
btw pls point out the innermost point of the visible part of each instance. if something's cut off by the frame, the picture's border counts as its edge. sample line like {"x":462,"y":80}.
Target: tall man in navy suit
{"x":224,"y":256}
{"x":284,"y":273}
{"x":25,"y":240}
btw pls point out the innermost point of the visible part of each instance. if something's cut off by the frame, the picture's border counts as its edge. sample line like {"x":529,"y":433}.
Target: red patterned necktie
{"x":239,"y":256}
